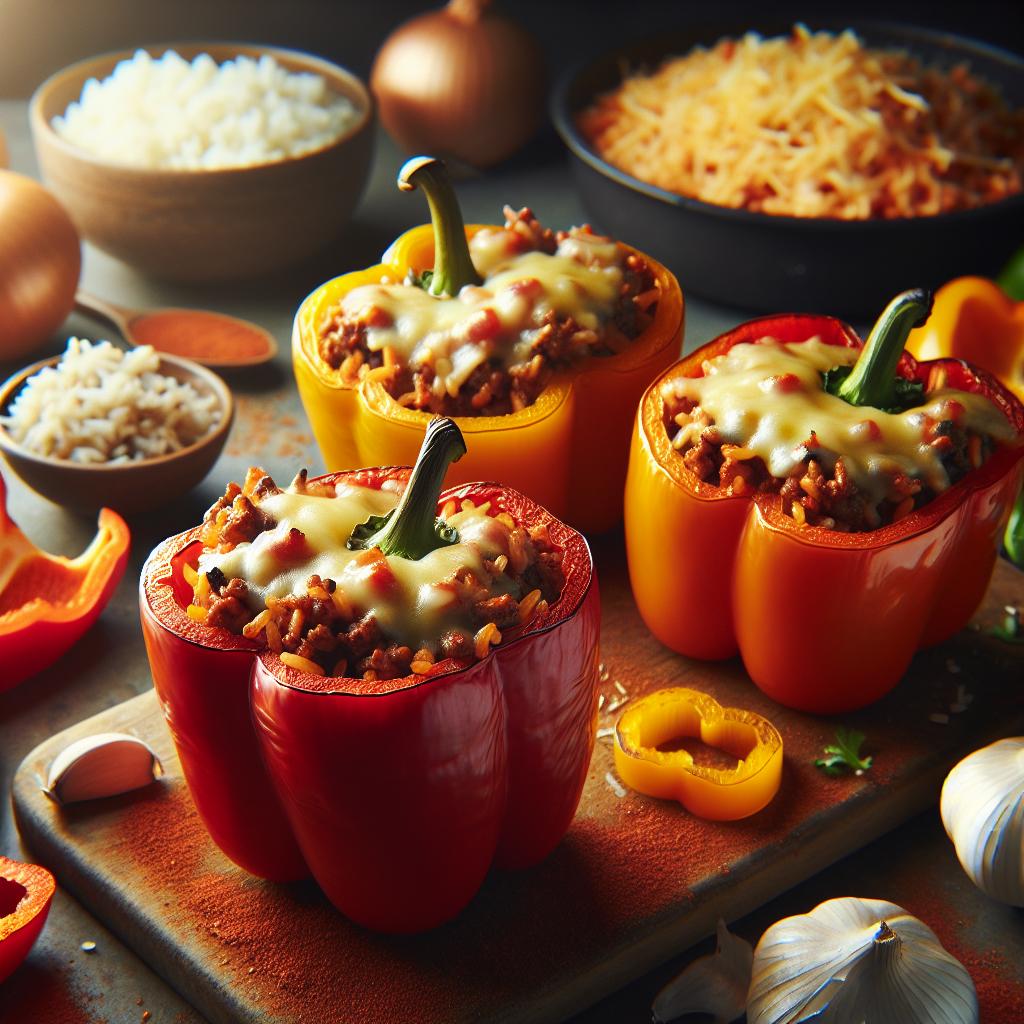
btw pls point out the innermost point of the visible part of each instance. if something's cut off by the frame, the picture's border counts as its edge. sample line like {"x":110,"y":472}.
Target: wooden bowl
{"x":125,"y":486}
{"x":206,"y":225}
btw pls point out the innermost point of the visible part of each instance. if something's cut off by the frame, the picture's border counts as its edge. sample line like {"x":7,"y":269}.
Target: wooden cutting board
{"x":635,"y":881}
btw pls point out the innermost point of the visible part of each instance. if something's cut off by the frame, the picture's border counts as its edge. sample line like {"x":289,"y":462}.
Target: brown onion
{"x":40,"y":260}
{"x":461,"y":82}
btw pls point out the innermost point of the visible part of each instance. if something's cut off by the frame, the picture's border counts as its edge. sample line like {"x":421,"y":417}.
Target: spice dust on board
{"x":261,"y":426}
{"x":36,"y":994}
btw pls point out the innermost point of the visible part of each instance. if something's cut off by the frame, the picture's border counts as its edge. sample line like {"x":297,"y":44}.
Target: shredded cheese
{"x":811,"y":125}
{"x":752,"y":398}
{"x":418,"y":604}
{"x":582,"y":279}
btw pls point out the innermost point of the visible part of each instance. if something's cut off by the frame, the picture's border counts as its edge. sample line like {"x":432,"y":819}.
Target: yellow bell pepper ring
{"x":714,"y":793}
{"x":568,"y":450}
{"x":975,"y":320}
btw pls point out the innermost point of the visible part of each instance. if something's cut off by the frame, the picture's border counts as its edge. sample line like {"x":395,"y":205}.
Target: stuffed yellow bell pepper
{"x":541,"y":361}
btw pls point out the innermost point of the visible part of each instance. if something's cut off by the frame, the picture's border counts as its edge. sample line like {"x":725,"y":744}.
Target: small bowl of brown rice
{"x":205,"y":162}
{"x":98,"y":425}
{"x":808,"y":169}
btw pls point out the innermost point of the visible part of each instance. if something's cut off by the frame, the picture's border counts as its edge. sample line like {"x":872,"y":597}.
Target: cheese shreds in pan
{"x":812,"y":125}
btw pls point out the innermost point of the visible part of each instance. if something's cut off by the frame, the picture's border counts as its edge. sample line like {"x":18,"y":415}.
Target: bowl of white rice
{"x":205,"y":162}
{"x":99,"y":425}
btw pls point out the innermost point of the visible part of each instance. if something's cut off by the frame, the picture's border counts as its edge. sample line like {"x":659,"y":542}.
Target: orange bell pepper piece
{"x":47,"y":602}
{"x":26,"y":892}
{"x":825,"y":621}
{"x":567,"y":451}
{"x":715,"y":793}
{"x":975,"y":320}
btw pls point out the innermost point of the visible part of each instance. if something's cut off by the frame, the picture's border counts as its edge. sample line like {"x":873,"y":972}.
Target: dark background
{"x":38,"y":37}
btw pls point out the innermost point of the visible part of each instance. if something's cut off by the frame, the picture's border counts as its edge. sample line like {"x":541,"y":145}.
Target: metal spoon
{"x":202,"y":336}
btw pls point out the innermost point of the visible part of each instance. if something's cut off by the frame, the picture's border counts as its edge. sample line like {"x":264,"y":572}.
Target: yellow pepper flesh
{"x":714,"y":793}
{"x":975,"y":320}
{"x":568,"y":450}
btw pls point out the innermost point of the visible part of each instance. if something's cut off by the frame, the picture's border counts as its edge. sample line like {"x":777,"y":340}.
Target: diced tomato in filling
{"x":784,"y":383}
{"x":869,"y":430}
{"x":483,"y":326}
{"x":527,"y":287}
{"x":377,"y":572}
{"x":291,"y":548}
{"x":374,"y":316}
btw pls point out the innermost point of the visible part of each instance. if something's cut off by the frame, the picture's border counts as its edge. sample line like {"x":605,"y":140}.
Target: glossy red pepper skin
{"x":825,"y":621}
{"x":400,"y":794}
{"x":203,"y":689}
{"x":42,"y":614}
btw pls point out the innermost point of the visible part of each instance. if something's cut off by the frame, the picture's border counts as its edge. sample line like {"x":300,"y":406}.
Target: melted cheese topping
{"x":752,"y":397}
{"x":582,"y":279}
{"x":416,"y":608}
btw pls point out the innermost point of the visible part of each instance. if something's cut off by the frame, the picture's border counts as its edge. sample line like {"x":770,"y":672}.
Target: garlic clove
{"x":102,"y":765}
{"x":982,"y":808}
{"x":857,"y":960}
{"x":715,"y":984}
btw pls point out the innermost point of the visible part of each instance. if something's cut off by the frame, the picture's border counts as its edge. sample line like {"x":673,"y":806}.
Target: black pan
{"x":774,"y":263}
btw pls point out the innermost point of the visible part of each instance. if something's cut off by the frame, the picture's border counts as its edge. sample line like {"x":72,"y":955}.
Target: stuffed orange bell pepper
{"x":541,"y":361}
{"x":366,"y":683}
{"x":823,"y":509}
{"x":974,"y":319}
{"x":48,"y":602}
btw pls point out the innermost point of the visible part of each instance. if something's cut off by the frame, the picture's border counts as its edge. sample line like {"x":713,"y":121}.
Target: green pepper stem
{"x":453,"y":266}
{"x":872,"y":380}
{"x":413,"y":530}
{"x":1013,"y":539}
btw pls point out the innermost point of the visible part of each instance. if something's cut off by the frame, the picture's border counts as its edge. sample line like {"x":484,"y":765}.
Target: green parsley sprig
{"x":844,"y":754}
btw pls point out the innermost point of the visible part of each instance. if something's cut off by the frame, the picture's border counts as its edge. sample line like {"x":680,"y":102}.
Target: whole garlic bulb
{"x":857,"y":961}
{"x":982,"y":808}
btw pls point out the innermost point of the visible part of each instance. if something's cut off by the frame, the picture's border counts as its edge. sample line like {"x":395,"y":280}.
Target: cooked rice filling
{"x":547,"y":302}
{"x":759,"y":419}
{"x":275,"y":569}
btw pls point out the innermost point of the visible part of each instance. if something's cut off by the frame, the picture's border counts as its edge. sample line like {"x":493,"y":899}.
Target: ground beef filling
{"x":323,"y":627}
{"x":822,"y":493}
{"x":494,"y":389}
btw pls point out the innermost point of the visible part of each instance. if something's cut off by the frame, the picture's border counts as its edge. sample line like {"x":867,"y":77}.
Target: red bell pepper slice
{"x":26,"y":893}
{"x":47,"y":602}
{"x":400,"y":794}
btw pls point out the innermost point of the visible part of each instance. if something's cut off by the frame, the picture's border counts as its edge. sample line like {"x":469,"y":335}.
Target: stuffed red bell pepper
{"x":420,"y":671}
{"x":822,"y":508}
